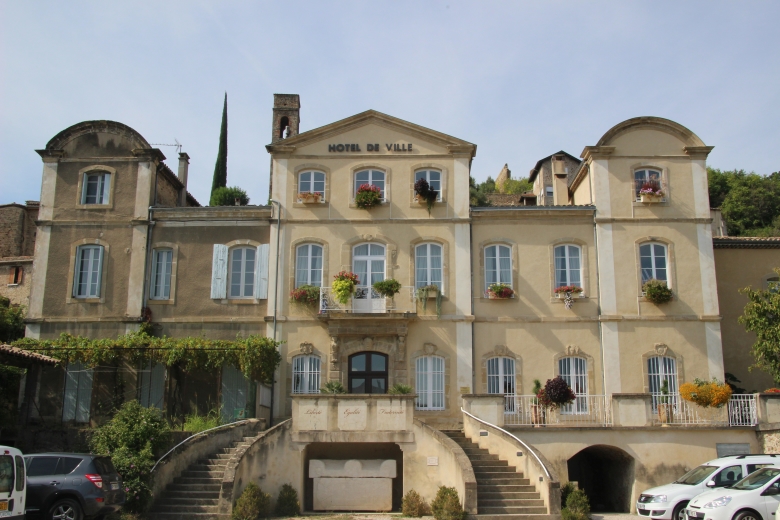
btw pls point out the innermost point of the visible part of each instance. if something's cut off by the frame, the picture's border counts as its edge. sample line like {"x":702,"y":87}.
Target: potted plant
{"x":424,"y":194}
{"x":387,"y":288}
{"x":499,"y":291}
{"x":664,"y":408}
{"x":567,"y":292}
{"x":343,"y":286}
{"x":305,"y":294}
{"x":706,"y":393}
{"x":310,"y":197}
{"x":556,"y":393}
{"x":656,"y":291}
{"x":429,"y":291}
{"x":651,"y":192}
{"x":368,"y":196}
{"x":333,"y":387}
{"x":537,"y":410}
{"x":400,"y":389}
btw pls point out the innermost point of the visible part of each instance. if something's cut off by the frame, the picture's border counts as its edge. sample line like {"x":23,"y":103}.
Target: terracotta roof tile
{"x":8,"y":350}
{"x":746,"y":242}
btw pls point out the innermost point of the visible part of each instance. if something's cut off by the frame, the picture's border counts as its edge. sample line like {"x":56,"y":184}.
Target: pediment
{"x":369,"y":129}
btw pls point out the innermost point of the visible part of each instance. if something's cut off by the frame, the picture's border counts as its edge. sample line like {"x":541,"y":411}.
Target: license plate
{"x":694,"y":514}
{"x":3,"y":506}
{"x":114,"y":486}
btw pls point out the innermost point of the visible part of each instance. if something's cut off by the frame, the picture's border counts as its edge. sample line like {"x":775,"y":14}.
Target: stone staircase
{"x":502,"y":492}
{"x":195,"y":493}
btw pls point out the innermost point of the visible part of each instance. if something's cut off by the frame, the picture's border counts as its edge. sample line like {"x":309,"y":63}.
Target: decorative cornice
{"x":698,"y":151}
{"x":150,"y":153}
{"x":596,"y":152}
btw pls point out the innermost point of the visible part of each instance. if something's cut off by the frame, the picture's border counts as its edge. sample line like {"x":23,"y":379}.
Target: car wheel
{"x":747,"y":515}
{"x":679,"y":511}
{"x":66,"y":509}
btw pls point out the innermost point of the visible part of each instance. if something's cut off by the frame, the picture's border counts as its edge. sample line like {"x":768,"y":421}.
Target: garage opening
{"x":606,"y":474}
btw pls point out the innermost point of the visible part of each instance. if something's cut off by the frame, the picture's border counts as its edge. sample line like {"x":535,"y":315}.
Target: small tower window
{"x":283,"y":124}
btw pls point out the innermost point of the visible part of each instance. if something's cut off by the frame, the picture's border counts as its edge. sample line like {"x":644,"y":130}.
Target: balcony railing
{"x":366,"y":300}
{"x":672,"y":409}
{"x":586,"y":410}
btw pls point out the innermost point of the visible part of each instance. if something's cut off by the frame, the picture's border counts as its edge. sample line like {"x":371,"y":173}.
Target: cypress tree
{"x":220,"y":168}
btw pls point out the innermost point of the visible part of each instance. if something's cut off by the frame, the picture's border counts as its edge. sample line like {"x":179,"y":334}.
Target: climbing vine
{"x":256,"y":356}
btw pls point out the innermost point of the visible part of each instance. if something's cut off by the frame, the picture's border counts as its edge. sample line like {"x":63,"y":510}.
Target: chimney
{"x":184,"y":166}
{"x":560,"y":181}
{"x":286,"y":118}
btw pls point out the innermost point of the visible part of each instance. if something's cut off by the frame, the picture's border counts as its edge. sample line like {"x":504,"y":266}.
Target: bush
{"x":305,"y":294}
{"x":131,"y":437}
{"x":400,"y":389}
{"x":333,"y":387}
{"x":387,"y":288}
{"x":446,"y":505}
{"x":577,"y":506}
{"x":252,"y":504}
{"x":11,"y":321}
{"x":227,"y":197}
{"x":197,"y":423}
{"x":657,"y":291}
{"x":414,"y":505}
{"x":287,"y":503}
{"x":556,"y":393}
{"x":368,"y":196}
{"x":706,"y":393}
{"x":566,"y":490}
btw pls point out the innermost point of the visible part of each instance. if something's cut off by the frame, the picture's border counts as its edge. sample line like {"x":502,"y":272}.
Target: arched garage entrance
{"x":606,"y":474}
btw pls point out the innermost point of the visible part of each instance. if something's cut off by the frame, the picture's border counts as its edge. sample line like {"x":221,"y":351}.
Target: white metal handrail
{"x":586,"y":410}
{"x":526,"y":446}
{"x":742,"y":410}
{"x":673,"y":409}
{"x":188,"y":439}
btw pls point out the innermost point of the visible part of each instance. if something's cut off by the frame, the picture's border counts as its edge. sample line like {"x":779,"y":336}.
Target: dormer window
{"x":96,"y":188}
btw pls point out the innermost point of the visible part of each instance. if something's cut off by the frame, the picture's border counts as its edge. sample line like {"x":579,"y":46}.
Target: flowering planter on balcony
{"x":648,"y":198}
{"x":310,"y":198}
{"x":494,"y":296}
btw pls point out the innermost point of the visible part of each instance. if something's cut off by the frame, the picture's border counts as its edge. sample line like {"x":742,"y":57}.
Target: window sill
{"x":85,"y":300}
{"x":382,"y":203}
{"x":160,"y":302}
{"x":238,"y":301}
{"x":640,"y":204}
{"x":310,"y":205}
{"x":13,"y":285}
{"x":488,"y":298}
{"x":95,"y":206}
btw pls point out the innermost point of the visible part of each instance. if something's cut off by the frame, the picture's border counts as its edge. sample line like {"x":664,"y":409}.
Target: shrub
{"x":446,"y":505}
{"x":252,"y":504}
{"x":197,"y":423}
{"x":706,"y":393}
{"x":577,"y":506}
{"x":287,"y":503}
{"x":400,"y":389}
{"x":556,"y":393}
{"x":387,"y":288}
{"x":414,"y":505}
{"x":566,"y":490}
{"x":227,"y":197}
{"x":772,"y":391}
{"x":11,"y":321}
{"x":368,"y":196}
{"x":131,"y":437}
{"x":333,"y":387}
{"x":657,"y":291}
{"x":305,"y":294}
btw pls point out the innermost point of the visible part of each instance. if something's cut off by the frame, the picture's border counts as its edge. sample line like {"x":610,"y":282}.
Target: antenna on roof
{"x":178,"y":145}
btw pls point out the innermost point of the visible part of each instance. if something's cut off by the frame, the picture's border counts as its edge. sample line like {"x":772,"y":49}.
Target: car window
{"x":728,"y":476}
{"x":42,"y":466}
{"x":6,"y":473}
{"x":20,"y":480}
{"x":753,"y":467}
{"x":757,"y":479}
{"x":67,"y":465}
{"x":104,"y":466}
{"x":696,"y":475}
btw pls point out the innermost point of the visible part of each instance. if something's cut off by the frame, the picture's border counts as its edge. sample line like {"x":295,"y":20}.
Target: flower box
{"x":650,"y":198}
{"x":562,"y":295}
{"x":310,"y":198}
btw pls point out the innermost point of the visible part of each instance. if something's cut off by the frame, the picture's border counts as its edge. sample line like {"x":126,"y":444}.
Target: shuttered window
{"x":151,"y":385}
{"x":248,"y":268}
{"x":234,"y":393}
{"x":78,"y":393}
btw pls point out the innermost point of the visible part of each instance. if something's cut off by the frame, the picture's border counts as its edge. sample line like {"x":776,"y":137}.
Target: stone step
{"x":222,"y":456}
{"x":188,"y":500}
{"x":180,"y":508}
{"x":504,"y":488}
{"x":203,"y":473}
{"x":188,"y":494}
{"x":191,"y":480}
{"x":211,"y":487}
{"x":186,"y":516}
{"x":208,"y":467}
{"x":476,"y":458}
{"x":494,"y":469}
{"x":533,"y":510}
{"x":490,"y":463}
{"x":502,"y":502}
{"x":508,"y":481}
{"x":249,"y":439}
{"x":214,"y":462}
{"x":510,"y":495}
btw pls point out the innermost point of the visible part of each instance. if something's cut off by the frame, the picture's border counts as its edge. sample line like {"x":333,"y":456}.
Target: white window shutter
{"x":261,"y":280}
{"x":219,"y":272}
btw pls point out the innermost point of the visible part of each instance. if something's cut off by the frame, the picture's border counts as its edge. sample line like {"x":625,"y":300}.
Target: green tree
{"x":762,"y":317}
{"x":517,"y":186}
{"x":476,"y":196}
{"x":750,"y":203}
{"x":227,"y":197}
{"x":220,"y":168}
{"x":11,"y":321}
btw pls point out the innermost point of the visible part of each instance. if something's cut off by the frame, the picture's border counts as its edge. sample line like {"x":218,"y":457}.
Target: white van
{"x":668,"y":502}
{"x":13,"y":484}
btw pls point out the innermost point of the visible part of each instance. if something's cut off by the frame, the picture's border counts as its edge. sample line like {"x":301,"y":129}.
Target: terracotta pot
{"x":664,"y":413}
{"x":537,"y":414}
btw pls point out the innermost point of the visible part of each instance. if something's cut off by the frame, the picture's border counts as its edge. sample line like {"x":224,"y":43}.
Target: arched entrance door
{"x":368,"y":373}
{"x":368,"y":262}
{"x":606,"y":474}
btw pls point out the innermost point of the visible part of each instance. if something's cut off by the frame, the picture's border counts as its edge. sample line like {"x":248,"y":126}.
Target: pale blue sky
{"x":519,"y":79}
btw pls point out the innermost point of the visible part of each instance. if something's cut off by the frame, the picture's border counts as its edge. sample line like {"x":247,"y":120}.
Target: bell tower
{"x":287,"y":118}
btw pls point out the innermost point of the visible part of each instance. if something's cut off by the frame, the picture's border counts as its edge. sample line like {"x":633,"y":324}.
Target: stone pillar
{"x":488,"y":407}
{"x":768,"y":408}
{"x":632,"y":410}
{"x":184,"y":167}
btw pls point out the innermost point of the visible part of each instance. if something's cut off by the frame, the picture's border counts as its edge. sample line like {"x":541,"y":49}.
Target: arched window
{"x":653,"y":262}
{"x":283,"y":124}
{"x":306,"y":375}
{"x":373,"y":177}
{"x":662,"y":369}
{"x":433,"y":177}
{"x":96,"y":188}
{"x":428,"y":265}
{"x":312,"y":182}
{"x":430,"y":383}
{"x":646,"y":176}
{"x":568,"y":265}
{"x":308,"y":265}
{"x":574,"y":370}
{"x":498,"y":265}
{"x":501,"y":380}
{"x":89,"y":270}
{"x":242,"y":272}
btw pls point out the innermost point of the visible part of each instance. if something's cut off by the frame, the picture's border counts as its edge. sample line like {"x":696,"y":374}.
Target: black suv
{"x":72,"y":486}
